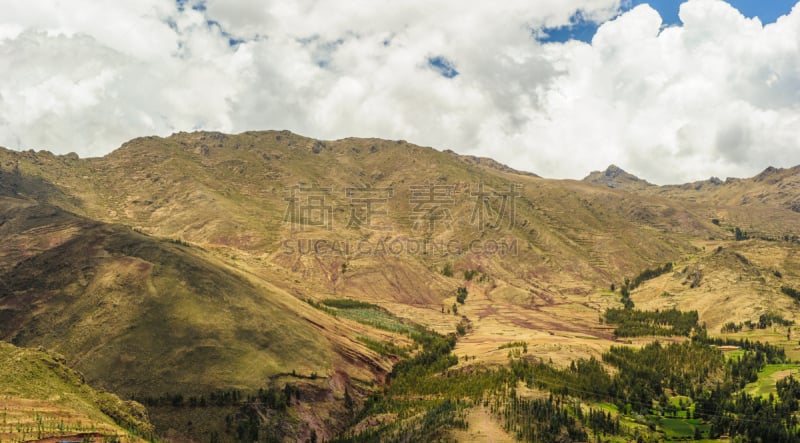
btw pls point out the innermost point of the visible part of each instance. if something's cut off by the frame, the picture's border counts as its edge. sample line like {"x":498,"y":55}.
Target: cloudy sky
{"x":671,"y":92}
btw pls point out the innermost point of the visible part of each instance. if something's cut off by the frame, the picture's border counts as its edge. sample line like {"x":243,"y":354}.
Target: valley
{"x":270,"y":287}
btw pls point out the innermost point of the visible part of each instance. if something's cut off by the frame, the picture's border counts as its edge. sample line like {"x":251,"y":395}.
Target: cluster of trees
{"x":636,"y":323}
{"x":384,"y":348}
{"x":540,"y":420}
{"x":641,"y":382}
{"x":626,"y":295}
{"x":272,"y":397}
{"x":346,"y":303}
{"x":649,"y":274}
{"x":438,"y":417}
{"x":644,"y":377}
{"x":629,"y":285}
{"x":772,"y":354}
{"x":750,"y":418}
{"x":429,"y":396}
{"x":744,"y":369}
{"x":322,"y":307}
{"x":587,"y":379}
{"x":764,"y":321}
{"x":515,"y":344}
{"x":435,"y":356}
{"x":602,"y":422}
{"x":230,"y":397}
{"x":791,"y":292}
{"x":789,"y":392}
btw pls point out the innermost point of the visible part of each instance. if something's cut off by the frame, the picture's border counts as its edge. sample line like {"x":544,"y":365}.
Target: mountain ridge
{"x":191,"y":243}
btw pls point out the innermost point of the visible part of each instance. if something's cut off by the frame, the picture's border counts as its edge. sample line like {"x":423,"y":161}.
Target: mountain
{"x":147,"y":318}
{"x":615,"y":177}
{"x":207,"y":268}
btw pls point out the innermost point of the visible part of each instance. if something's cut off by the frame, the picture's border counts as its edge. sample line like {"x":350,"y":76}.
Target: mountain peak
{"x":770,"y":172}
{"x":616,"y":177}
{"x":614,"y":171}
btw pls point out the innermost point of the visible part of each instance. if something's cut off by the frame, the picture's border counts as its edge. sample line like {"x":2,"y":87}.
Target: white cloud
{"x":719,"y":95}
{"x":675,"y":104}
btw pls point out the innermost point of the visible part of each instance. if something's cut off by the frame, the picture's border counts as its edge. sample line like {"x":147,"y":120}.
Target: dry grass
{"x":482,"y":428}
{"x":41,"y":398}
{"x":205,"y":296}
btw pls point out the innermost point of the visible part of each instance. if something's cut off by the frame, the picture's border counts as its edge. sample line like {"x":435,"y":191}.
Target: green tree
{"x":447,"y":271}
{"x":461,"y":294}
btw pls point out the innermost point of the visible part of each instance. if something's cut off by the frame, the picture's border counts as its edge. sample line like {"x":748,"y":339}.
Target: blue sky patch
{"x":766,"y":10}
{"x":443,"y":66}
{"x":232,"y":40}
{"x":197,"y":5}
{"x":580,"y":29}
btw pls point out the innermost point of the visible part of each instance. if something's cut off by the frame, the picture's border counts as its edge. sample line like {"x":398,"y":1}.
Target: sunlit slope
{"x":230,"y":192}
{"x":41,"y":397}
{"x":145,"y":316}
{"x":729,"y":282}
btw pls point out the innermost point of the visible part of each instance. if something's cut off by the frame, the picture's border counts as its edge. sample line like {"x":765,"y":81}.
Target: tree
{"x":461,"y":294}
{"x":447,"y":271}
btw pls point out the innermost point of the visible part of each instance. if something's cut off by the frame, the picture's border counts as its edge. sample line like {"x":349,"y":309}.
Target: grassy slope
{"x":225,"y":195}
{"x":764,"y":205}
{"x":41,"y":397}
{"x":737,"y":283}
{"x":148,"y":317}
{"x":768,"y":377}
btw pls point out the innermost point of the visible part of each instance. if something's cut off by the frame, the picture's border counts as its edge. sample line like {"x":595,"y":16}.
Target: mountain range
{"x":190,"y":272}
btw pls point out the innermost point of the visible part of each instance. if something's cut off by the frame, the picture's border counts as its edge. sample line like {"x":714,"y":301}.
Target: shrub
{"x":461,"y":294}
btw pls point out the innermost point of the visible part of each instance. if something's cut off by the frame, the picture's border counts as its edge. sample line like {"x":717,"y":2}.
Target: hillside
{"x":146,"y":317}
{"x":40,"y":397}
{"x":765,"y":205}
{"x":197,"y":266}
